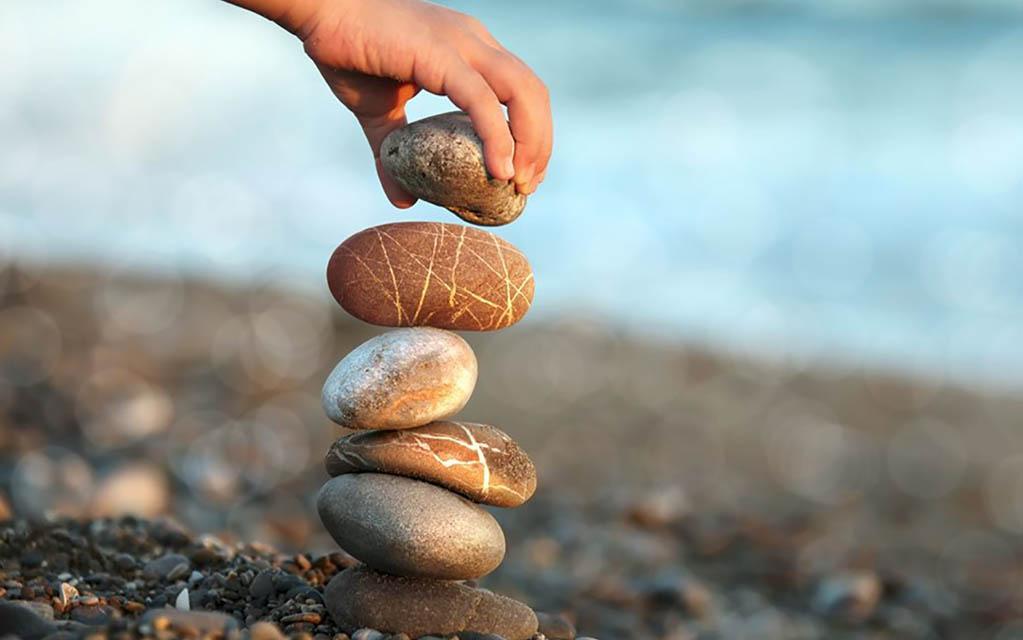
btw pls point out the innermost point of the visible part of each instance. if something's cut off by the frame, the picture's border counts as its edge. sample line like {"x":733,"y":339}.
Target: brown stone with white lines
{"x":476,"y":460}
{"x":431,"y":274}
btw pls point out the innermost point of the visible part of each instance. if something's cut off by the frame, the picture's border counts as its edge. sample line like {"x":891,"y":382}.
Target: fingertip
{"x":501,"y":168}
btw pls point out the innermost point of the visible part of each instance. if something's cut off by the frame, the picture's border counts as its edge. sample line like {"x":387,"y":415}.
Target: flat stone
{"x":431,"y":274}
{"x":478,"y":461}
{"x":359,"y":597}
{"x":403,"y":378}
{"x":440,"y":159}
{"x":410,"y":528}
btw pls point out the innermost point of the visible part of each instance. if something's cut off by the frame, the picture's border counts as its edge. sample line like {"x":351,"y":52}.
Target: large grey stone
{"x":359,"y":597}
{"x":410,"y":528}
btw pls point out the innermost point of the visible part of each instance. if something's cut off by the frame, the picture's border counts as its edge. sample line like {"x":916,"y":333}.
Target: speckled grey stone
{"x":401,"y":379}
{"x":407,"y":527}
{"x":360,"y":597}
{"x":440,"y":159}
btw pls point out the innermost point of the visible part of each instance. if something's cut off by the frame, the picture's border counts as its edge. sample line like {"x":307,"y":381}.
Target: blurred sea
{"x":839,"y":180}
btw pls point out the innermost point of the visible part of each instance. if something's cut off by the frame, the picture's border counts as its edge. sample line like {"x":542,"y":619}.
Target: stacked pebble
{"x":407,"y":482}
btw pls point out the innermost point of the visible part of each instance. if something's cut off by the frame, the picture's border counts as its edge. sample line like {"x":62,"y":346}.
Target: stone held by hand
{"x":440,"y":159}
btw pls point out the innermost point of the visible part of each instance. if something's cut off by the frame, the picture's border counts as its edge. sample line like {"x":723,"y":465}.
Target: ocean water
{"x":811,"y":180}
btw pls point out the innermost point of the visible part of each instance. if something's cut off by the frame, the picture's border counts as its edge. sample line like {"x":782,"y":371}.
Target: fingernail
{"x":525,"y":178}
{"x":509,"y":169}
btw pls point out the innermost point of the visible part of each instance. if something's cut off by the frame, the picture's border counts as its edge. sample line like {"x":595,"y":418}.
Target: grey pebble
{"x":262,"y":586}
{"x":19,"y":621}
{"x":410,"y":528}
{"x":555,"y":626}
{"x":440,"y":159}
{"x":170,"y":566}
{"x":368,"y":634}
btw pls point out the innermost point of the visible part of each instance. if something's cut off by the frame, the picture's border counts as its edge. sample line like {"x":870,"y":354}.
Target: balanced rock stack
{"x":408,"y":481}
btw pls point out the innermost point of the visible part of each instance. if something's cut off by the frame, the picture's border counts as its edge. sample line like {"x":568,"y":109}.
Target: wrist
{"x":297,"y":16}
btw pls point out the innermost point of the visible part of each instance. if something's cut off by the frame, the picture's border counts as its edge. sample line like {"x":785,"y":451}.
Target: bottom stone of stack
{"x":362,"y":598}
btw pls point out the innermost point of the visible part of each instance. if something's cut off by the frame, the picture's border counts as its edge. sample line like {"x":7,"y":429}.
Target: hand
{"x":376,"y":55}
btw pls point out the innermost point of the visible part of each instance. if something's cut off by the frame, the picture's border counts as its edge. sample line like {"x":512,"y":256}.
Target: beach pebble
{"x":428,"y":273}
{"x":190,"y":622}
{"x":165,"y":566}
{"x":476,"y":460}
{"x":360,"y":597}
{"x":850,"y":596}
{"x":555,"y":626}
{"x":403,"y":378}
{"x":410,"y":528}
{"x":22,"y":622}
{"x":440,"y":159}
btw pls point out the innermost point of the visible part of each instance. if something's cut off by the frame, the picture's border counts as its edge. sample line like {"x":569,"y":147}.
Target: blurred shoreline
{"x":680,"y":488}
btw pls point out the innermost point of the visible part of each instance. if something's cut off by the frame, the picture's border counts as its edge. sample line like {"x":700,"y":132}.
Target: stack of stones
{"x":407,"y":482}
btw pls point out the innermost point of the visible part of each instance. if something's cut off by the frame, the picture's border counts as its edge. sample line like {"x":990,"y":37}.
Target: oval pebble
{"x":359,"y":597}
{"x":410,"y":528}
{"x":431,"y":274}
{"x":401,"y":379}
{"x":476,"y":460}
{"x":440,"y":159}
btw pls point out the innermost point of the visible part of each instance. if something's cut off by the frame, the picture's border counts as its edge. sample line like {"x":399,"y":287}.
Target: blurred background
{"x":775,"y":355}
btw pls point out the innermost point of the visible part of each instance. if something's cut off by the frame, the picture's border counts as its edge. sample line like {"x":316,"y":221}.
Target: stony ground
{"x":683,"y":494}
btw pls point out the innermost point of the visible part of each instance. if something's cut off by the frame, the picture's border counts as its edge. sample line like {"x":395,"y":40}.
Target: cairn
{"x":407,"y":482}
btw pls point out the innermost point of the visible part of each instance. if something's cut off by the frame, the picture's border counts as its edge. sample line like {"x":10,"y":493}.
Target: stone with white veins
{"x":478,"y":461}
{"x":401,"y":379}
{"x":410,"y":528}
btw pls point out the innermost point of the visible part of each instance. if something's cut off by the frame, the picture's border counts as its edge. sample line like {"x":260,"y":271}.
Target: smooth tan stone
{"x":359,"y":597}
{"x":401,"y":379}
{"x":431,"y":274}
{"x":410,"y":528}
{"x":440,"y":159}
{"x":476,"y":460}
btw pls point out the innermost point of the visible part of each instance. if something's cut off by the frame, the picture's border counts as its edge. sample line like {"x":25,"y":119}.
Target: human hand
{"x":376,"y":55}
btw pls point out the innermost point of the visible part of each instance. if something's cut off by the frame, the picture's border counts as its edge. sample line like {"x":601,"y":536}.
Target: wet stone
{"x":400,"y":379}
{"x":407,"y":527}
{"x":477,"y":461}
{"x":440,"y":159}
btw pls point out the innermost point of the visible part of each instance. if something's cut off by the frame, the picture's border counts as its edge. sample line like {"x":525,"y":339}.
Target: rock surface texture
{"x":359,"y":597}
{"x":478,"y":461}
{"x":410,"y":528}
{"x":431,"y":274}
{"x":403,"y":378}
{"x":440,"y":159}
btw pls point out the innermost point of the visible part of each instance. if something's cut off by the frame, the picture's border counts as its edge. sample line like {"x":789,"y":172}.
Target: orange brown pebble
{"x":431,"y":274}
{"x":479,"y":461}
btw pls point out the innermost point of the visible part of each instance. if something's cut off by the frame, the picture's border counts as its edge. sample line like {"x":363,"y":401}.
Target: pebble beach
{"x":680,"y":493}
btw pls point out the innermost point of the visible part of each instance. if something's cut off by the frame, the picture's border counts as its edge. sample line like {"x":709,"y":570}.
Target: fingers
{"x":529,"y":110}
{"x":471,"y":93}
{"x":376,"y":129}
